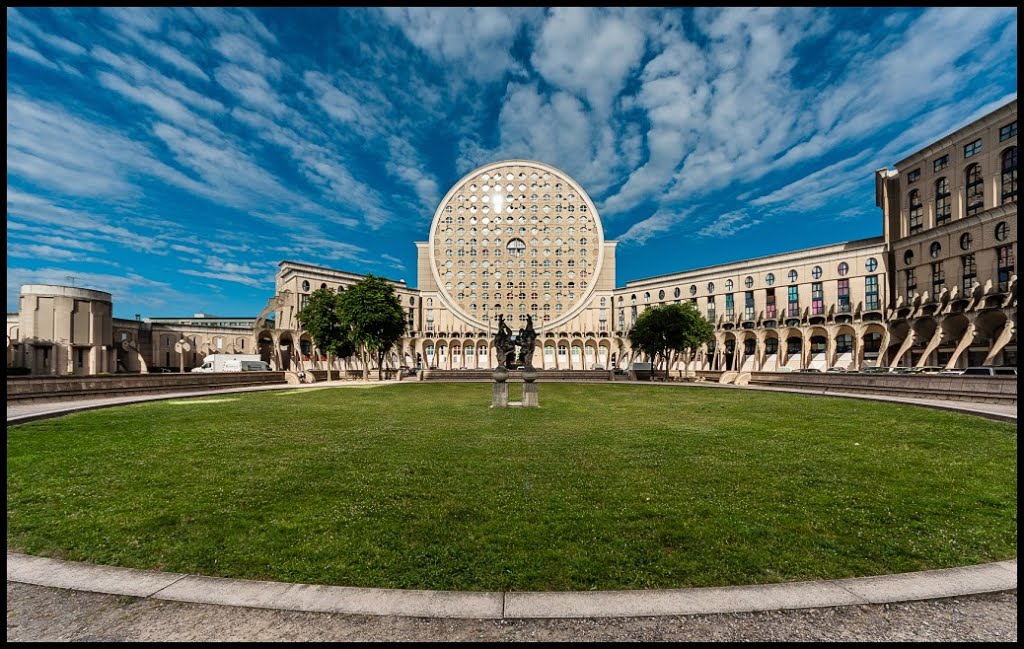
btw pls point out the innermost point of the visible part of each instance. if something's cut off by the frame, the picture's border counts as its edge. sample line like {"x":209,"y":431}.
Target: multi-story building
{"x":518,"y":239}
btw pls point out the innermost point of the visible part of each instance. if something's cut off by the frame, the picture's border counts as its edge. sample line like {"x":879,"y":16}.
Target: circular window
{"x":769,"y":279}
{"x":935,"y":249}
{"x":647,"y":297}
{"x":871,"y":264}
{"x":748,"y":282}
{"x":661,"y":295}
{"x":305,"y":285}
{"x":965,"y":241}
{"x":792,"y":276}
{"x":908,"y":257}
{"x":844,"y":268}
{"x":412,"y":301}
{"x":711,"y":287}
{"x":516,"y":247}
{"x":677,"y":292}
{"x":323,"y":286}
{"x":693,"y":289}
{"x":1002,"y":230}
{"x":816,"y":272}
{"x":728,"y":284}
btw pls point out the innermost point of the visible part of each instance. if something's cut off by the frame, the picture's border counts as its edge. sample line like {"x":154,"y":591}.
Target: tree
{"x":321,"y":318}
{"x":668,"y":328}
{"x":374,"y":316}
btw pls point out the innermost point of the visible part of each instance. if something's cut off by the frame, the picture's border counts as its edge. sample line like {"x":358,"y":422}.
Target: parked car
{"x":951,"y":372}
{"x":989,"y":370}
{"x":928,"y":369}
{"x":836,"y":370}
{"x":900,"y":370}
{"x":875,"y":370}
{"x":783,"y":368}
{"x":810,"y":369}
{"x":599,"y":367}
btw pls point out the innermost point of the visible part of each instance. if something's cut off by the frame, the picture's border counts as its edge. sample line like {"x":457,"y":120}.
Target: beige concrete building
{"x":517,"y":238}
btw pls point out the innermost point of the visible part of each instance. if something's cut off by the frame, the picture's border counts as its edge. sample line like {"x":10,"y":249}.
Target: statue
{"x":527,"y":340}
{"x":504,"y":343}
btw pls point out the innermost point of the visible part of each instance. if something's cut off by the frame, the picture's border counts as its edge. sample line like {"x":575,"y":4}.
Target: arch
{"x":284,"y":350}
{"x":792,"y":346}
{"x":845,"y":342}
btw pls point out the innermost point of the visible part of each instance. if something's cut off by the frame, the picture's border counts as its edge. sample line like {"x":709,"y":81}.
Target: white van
{"x":233,"y":363}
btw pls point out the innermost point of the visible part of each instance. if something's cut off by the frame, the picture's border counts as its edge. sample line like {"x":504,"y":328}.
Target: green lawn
{"x":604,"y":487}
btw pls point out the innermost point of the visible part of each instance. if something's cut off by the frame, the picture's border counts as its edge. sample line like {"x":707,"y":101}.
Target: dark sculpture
{"x":504,"y":344}
{"x":527,"y":340}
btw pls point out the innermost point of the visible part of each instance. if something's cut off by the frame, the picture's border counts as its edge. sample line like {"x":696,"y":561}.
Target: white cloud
{"x":477,"y":41}
{"x":660,"y":221}
{"x":727,"y":225}
{"x":590,"y":52}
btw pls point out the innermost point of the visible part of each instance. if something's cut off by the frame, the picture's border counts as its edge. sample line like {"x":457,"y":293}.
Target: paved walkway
{"x":954,"y":582}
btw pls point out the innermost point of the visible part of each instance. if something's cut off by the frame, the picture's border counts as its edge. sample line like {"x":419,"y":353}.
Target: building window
{"x":943,"y":204}
{"x":844,"y":268}
{"x":972,"y":148}
{"x":940,"y":163}
{"x":711,"y":287}
{"x":975,"y":190}
{"x":871,"y":265}
{"x":677,"y":292}
{"x":1005,"y":255}
{"x":916,"y":212}
{"x":305,"y":285}
{"x":769,"y":309}
{"x":817,"y":299}
{"x":816,"y":272}
{"x":748,"y":282}
{"x":1002,"y":230}
{"x":711,"y":309}
{"x":769,"y":279}
{"x":728,"y":284}
{"x":911,"y":283}
{"x":965,"y":241}
{"x":693,"y":289}
{"x":794,"y":302}
{"x":913,"y":176}
{"x":792,"y":276}
{"x":844,"y":296}
{"x":748,"y":305}
{"x":938,"y":278}
{"x":730,"y":310}
{"x":871,"y":302}
{"x":970,"y":273}
{"x":1008,"y":131}
{"x":661,"y":294}
{"x":1009,"y":175}
{"x":935,"y":249}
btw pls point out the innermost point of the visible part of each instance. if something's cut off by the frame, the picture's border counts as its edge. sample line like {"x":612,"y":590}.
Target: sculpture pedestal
{"x":499,"y":396}
{"x":531,"y":398}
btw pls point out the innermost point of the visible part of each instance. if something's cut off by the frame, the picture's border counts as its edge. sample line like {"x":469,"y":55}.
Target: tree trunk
{"x":380,"y":366}
{"x":366,"y":363}
{"x":328,"y":367}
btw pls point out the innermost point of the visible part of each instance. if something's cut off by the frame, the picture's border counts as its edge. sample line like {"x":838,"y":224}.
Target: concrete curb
{"x":932,"y":584}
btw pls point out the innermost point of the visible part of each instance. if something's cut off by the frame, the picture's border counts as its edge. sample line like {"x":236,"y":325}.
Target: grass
{"x":604,"y":487}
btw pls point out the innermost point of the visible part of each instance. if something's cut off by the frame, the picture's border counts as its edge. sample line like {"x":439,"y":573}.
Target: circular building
{"x":516,"y":238}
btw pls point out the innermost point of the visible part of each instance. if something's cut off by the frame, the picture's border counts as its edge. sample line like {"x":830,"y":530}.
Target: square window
{"x":914,"y":175}
{"x":1008,"y":131}
{"x":940,"y":163}
{"x":972,"y":148}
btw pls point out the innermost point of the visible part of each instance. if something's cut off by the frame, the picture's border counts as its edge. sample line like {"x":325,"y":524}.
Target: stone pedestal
{"x":499,"y":397}
{"x":530,"y":397}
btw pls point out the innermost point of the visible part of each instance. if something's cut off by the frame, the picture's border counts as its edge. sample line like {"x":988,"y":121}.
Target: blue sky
{"x":173,"y":157}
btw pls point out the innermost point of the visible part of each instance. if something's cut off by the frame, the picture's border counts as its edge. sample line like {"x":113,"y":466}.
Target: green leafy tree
{"x":374,"y":316}
{"x":659,"y":331}
{"x":321,"y":318}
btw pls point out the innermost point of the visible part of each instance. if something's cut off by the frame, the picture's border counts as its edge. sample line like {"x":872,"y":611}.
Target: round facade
{"x":516,"y":238}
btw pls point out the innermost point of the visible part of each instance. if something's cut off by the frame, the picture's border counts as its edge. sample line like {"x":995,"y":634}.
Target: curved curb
{"x":932,"y":584}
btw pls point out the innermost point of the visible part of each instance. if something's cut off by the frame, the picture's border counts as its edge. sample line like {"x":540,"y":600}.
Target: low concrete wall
{"x":977,"y":389}
{"x":57,"y":388}
{"x":515,"y":376}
